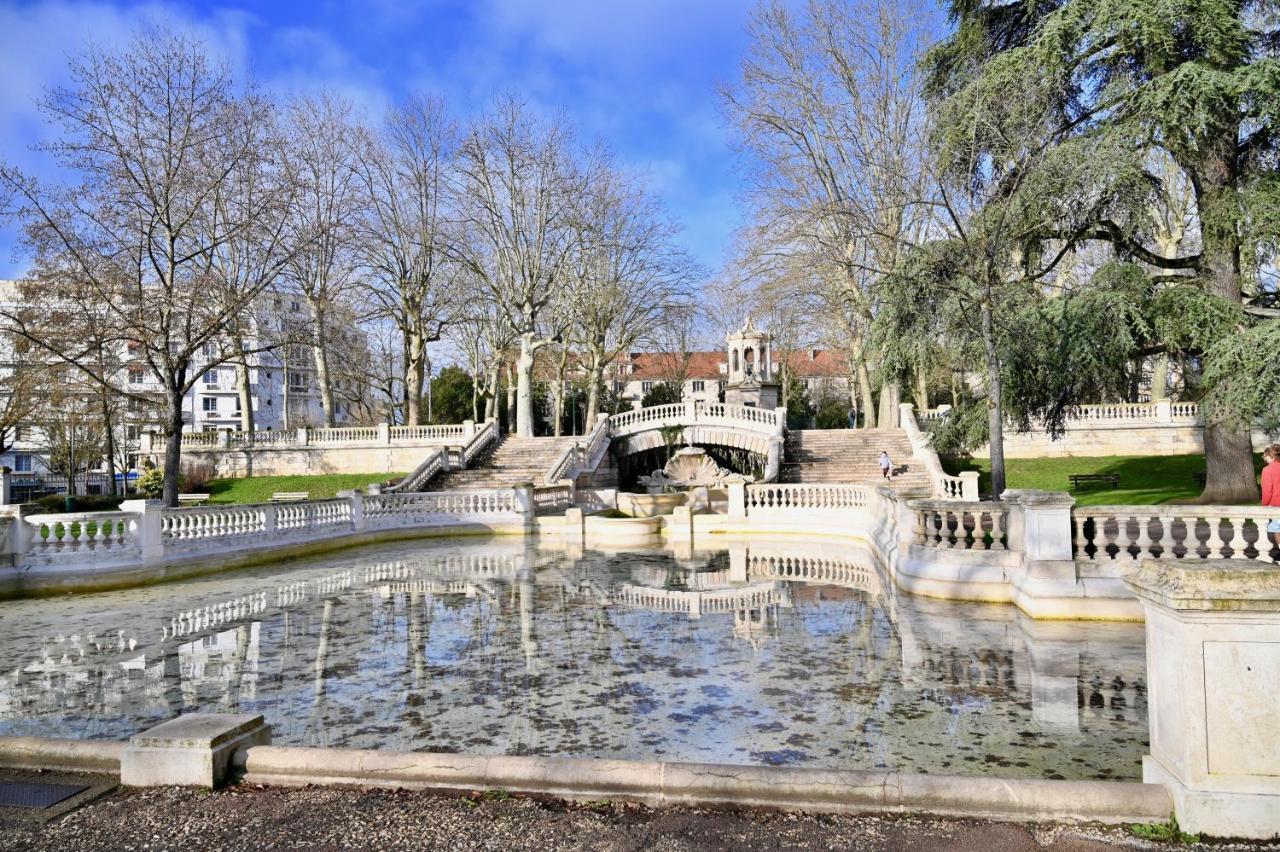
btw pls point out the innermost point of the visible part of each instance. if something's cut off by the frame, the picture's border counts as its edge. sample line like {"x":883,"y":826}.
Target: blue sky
{"x":640,"y":74}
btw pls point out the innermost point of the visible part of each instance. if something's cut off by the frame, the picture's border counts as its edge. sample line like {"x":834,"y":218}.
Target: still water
{"x":757,"y":653}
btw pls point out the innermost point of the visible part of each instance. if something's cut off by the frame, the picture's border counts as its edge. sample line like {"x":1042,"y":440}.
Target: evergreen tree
{"x":1063,"y":109}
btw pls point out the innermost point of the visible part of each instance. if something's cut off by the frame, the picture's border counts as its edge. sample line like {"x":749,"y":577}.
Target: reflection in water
{"x":756,"y":653}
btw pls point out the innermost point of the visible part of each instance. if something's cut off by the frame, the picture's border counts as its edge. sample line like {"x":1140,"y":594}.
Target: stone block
{"x":193,"y":750}
{"x":1213,"y":664}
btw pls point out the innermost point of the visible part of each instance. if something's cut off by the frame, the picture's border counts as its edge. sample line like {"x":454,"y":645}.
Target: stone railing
{"x":773,"y":497}
{"x":765,"y":420}
{"x":962,"y":487}
{"x":580,"y":458}
{"x":1109,"y":412}
{"x":1131,"y":534}
{"x":70,"y":538}
{"x":957,"y":525}
{"x":381,"y":434}
{"x":446,"y":458}
{"x":146,"y":534}
{"x":559,"y":495}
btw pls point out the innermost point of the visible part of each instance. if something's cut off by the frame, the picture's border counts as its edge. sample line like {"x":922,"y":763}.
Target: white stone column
{"x":1164,"y":411}
{"x":737,"y":499}
{"x":468,"y":430}
{"x":969,"y":485}
{"x":357,"y":511}
{"x":1213,"y":692}
{"x":1039,"y":527}
{"x":525,"y":506}
{"x":303,"y":438}
{"x":147,"y":529}
{"x":384,"y":433}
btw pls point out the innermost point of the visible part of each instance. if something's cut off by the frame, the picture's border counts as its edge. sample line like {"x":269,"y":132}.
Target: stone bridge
{"x":758,"y":431}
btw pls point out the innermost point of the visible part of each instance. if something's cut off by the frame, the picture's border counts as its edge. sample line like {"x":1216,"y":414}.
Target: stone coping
{"x":197,"y":730}
{"x":714,"y":785}
{"x":1231,"y":585}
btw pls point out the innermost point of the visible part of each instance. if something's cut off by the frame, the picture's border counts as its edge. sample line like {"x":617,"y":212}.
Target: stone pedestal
{"x":193,"y":750}
{"x":1213,"y":671}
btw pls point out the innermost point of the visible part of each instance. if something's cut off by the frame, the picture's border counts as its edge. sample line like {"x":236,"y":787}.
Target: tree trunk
{"x":320,"y":349}
{"x":414,"y":373}
{"x":1160,"y":378}
{"x":246,"y":398}
{"x":889,"y":395}
{"x":995,"y":404}
{"x":511,"y":400}
{"x":921,"y":390}
{"x":561,"y":366}
{"x":595,"y":379}
{"x":868,"y":401}
{"x":1228,"y":450}
{"x":172,"y":447}
{"x":108,"y":422}
{"x":524,"y":386}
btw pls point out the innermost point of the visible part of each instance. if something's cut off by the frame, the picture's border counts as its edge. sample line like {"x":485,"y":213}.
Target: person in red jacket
{"x":1271,"y":489}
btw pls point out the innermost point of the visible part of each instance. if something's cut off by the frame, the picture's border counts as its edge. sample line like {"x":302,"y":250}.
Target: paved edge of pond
{"x":649,"y":782}
{"x":714,"y":785}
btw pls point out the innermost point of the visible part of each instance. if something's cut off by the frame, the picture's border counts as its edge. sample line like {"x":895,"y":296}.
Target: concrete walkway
{"x":246,"y":817}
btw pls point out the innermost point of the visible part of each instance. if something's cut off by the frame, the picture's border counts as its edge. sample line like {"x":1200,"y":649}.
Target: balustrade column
{"x":147,"y":529}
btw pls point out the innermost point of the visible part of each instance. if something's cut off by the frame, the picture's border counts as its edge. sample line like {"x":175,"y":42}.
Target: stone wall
{"x":296,"y":461}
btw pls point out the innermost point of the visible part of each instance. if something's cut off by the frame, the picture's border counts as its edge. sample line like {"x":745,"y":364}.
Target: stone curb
{"x":714,"y":785}
{"x":68,"y":755}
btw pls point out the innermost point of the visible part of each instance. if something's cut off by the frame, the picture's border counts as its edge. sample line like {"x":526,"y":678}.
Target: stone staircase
{"x":512,"y":461}
{"x":851,"y":455}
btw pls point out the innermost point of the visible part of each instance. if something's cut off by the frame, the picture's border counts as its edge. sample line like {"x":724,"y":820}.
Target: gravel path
{"x":245,"y":817}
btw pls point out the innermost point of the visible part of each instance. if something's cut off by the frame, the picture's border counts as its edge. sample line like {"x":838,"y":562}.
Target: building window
{"x":619,"y":387}
{"x":137,"y":377}
{"x":211,"y":378}
{"x":645,"y":387}
{"x":22,"y":463}
{"x":208,"y":404}
{"x":699,"y":386}
{"x":210,"y":349}
{"x":132,"y":433}
{"x":19,"y":433}
{"x":297,"y":383}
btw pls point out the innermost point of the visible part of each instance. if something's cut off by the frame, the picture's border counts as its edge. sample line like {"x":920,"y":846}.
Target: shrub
{"x":151,"y":483}
{"x":196,"y":476}
{"x":80,"y":503}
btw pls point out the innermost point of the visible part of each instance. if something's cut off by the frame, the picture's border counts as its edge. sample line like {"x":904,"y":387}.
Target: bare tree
{"x":406,"y":241}
{"x":831,"y":108}
{"x":319,"y":153}
{"x":518,"y":190}
{"x":630,"y":279}
{"x":166,"y":149}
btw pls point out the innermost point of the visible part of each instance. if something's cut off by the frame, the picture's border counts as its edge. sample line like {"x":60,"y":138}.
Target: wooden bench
{"x":1082,"y":479}
{"x":290,"y":496}
{"x":192,"y":499}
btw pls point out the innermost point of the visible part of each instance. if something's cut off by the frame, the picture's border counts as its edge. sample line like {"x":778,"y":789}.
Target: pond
{"x":757,"y":653}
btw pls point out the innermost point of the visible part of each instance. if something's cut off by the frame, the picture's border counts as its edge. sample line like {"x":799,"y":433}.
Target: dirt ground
{"x":246,"y":817}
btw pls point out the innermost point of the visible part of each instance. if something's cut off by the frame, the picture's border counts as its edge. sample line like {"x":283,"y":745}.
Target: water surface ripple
{"x":759,"y":653}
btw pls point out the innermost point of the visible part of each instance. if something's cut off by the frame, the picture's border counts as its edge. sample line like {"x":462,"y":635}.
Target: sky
{"x":641,"y":75}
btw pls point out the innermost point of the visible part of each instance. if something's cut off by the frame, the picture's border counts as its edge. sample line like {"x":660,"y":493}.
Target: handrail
{"x":575,"y":459}
{"x":1107,"y":412}
{"x":767,"y":420}
{"x":944,"y":484}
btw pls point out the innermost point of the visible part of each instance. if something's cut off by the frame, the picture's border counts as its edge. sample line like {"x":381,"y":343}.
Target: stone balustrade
{"x":765,"y":420}
{"x":1134,"y":533}
{"x":957,"y":525}
{"x":962,"y":487}
{"x":1159,"y":412}
{"x":559,"y":495}
{"x":774,"y":497}
{"x":374,"y":435}
{"x":71,"y":538}
{"x":579,"y":458}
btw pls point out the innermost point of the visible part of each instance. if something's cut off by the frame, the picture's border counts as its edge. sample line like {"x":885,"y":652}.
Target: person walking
{"x":886,"y":465}
{"x":1271,"y":491}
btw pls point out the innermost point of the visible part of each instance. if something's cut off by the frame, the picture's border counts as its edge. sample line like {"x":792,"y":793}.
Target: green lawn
{"x":1143,"y":479}
{"x":258,"y":489}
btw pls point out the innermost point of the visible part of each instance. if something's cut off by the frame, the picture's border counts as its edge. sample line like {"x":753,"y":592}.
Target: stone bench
{"x":192,"y":499}
{"x":290,"y":496}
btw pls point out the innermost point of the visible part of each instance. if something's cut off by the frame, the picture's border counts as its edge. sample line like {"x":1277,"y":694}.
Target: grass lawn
{"x":258,"y":489}
{"x":1144,"y":480}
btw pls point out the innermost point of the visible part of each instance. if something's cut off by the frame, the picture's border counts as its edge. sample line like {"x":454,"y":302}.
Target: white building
{"x":282,"y":387}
